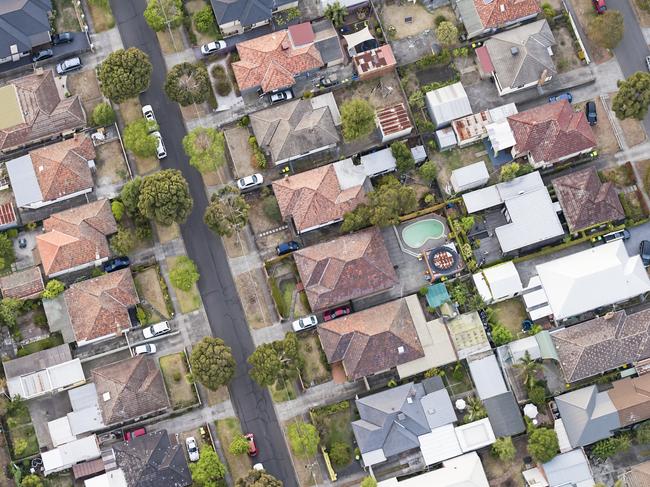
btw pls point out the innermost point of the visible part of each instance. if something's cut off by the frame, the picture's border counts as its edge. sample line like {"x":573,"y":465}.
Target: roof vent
{"x":106,"y":396}
{"x":41,"y":168}
{"x":401,"y":416}
{"x":431,"y":411}
{"x":487,"y":2}
{"x":409,"y":400}
{"x":514,"y":51}
{"x":400,"y":349}
{"x":502,"y":7}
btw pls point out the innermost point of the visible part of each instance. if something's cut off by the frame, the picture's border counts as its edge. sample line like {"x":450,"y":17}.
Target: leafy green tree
{"x":258,"y":478}
{"x":123,"y":241}
{"x":509,"y":171}
{"x":611,"y":446}
{"x":633,"y":97}
{"x":607,"y":29}
{"x":368,"y":482}
{"x":475,"y":410}
{"x":543,"y":445}
{"x":336,"y":13}
{"x":227,"y":212}
{"x":357,"y":119}
{"x":340,"y":453}
{"x":139,"y":139}
{"x":53,"y":288}
{"x":501,"y":335}
{"x":209,"y":470}
{"x":204,"y":20}
{"x":503,"y":449}
{"x":159,"y":13}
{"x":276,"y":360}
{"x":429,"y":171}
{"x":239,"y":445}
{"x":31,"y":481}
{"x":447,"y":33}
{"x":206,"y":148}
{"x":303,"y":438}
{"x":528,"y":368}
{"x":643,"y":433}
{"x":403,"y":157}
{"x":184,"y":274}
{"x":188,"y":83}
{"x":124,"y":74}
{"x":9,"y":308}
{"x":466,"y":223}
{"x":548,"y":11}
{"x":117,"y":208}
{"x":212,"y":363}
{"x":20,"y":447}
{"x":537,"y":395}
{"x":130,"y":194}
{"x":165,"y":197}
{"x":103,"y":115}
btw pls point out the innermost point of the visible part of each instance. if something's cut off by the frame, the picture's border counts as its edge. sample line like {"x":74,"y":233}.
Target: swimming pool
{"x":416,"y":234}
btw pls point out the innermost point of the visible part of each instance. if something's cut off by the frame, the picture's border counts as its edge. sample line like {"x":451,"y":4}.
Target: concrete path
{"x":328,"y":393}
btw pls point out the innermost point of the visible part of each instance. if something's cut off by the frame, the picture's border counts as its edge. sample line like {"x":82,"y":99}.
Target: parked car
{"x":22,"y":243}
{"x":332,"y":314}
{"x":590,"y":112}
{"x":304,"y":323}
{"x":279,"y":96}
{"x":161,"y":152}
{"x":249,"y":182}
{"x":116,"y":264}
{"x":62,"y":38}
{"x":258,"y":466}
{"x":647,"y":62}
{"x":156,"y":330}
{"x":563,"y":96}
{"x":287,"y":247}
{"x":599,"y":6}
{"x":129,"y":435}
{"x":68,"y":65}
{"x":147,"y":112}
{"x":326,"y":82}
{"x":146,"y":349}
{"x":617,"y":235}
{"x":252,"y":448}
{"x":192,"y":449}
{"x":212,"y":47}
{"x":42,"y":55}
{"x":644,"y":251}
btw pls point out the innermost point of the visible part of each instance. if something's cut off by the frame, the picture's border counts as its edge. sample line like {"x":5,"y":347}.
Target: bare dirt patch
{"x":218,"y":396}
{"x":566,"y":58}
{"x":240,"y":150}
{"x":192,"y":112}
{"x":174,"y":370}
{"x":170,"y":43}
{"x":585,"y":12}
{"x":372,"y":91}
{"x":167,"y":233}
{"x":235,"y":246}
{"x":66,"y":17}
{"x":100,"y":11}
{"x":110,"y":164}
{"x":145,"y":165}
{"x":130,"y":110}
{"x":253,"y":298}
{"x":500,"y":473}
{"x":395,"y":15}
{"x":148,"y":285}
{"x":86,"y":86}
{"x":633,"y":131}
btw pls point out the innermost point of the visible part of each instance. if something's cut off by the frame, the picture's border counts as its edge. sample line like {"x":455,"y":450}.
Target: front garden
{"x":175,"y":371}
{"x":333,"y":424}
{"x":155,"y":303}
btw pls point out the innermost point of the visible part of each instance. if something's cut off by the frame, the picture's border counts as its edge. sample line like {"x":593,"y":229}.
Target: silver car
{"x":156,"y":330}
{"x":161,"y":152}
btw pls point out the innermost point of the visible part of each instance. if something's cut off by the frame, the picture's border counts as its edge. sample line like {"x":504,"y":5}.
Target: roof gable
{"x":499,"y":13}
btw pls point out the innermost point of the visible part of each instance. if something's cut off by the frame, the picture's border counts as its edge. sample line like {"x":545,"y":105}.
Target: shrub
{"x":184,"y":274}
{"x":53,"y":288}
{"x":611,"y":446}
{"x":643,"y":433}
{"x":204,"y":20}
{"x":117,"y":207}
{"x":103,"y":115}
{"x":258,"y":155}
{"x":537,"y":395}
{"x":439,"y":20}
{"x":340,"y":453}
{"x":176,"y":376}
{"x":221,"y":80}
{"x":503,"y":449}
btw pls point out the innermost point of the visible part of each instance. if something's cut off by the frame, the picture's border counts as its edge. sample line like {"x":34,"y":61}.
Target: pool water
{"x":416,"y":234}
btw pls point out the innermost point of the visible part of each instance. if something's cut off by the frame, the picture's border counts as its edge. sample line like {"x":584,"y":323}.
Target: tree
{"x":276,"y":360}
{"x":206,"y":148}
{"x":303,"y":438}
{"x":208,"y":470}
{"x":509,"y":171}
{"x":239,"y":445}
{"x":188,"y":83}
{"x":20,"y":446}
{"x":165,"y":197}
{"x":429,"y":171}
{"x":633,"y":97}
{"x":258,"y":478}
{"x":139,"y":139}
{"x":123,"y":241}
{"x":643,"y":433}
{"x":159,"y":13}
{"x":611,"y":446}
{"x":204,"y":20}
{"x":528,"y":368}
{"x":212,"y":363}
{"x":117,"y":208}
{"x":543,"y":444}
{"x":466,"y":223}
{"x":357,"y":119}
{"x":503,"y":449}
{"x":403,"y":157}
{"x":227,"y":212}
{"x":184,"y":274}
{"x":548,"y":11}
{"x":124,"y":74}
{"x":53,"y":288}
{"x":336,"y":13}
{"x":340,"y":453}
{"x":607,"y":29}
{"x":501,"y":335}
{"x":537,"y":395}
{"x":447,"y":33}
{"x":9,"y":308}
{"x":103,"y":115}
{"x":31,"y":481}
{"x":130,"y":194}
{"x":368,"y":482}
{"x":475,"y":410}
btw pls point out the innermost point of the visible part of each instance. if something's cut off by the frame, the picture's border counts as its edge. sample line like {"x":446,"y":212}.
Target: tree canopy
{"x":53,"y":288}
{"x":429,"y":171}
{"x":607,"y":29}
{"x":139,"y":139}
{"x":509,"y":171}
{"x":227,"y":212}
{"x":103,"y":114}
{"x":212,"y":363}
{"x":124,"y":241}
{"x":303,"y":438}
{"x":184,"y":273}
{"x":503,"y":449}
{"x":130,"y":194}
{"x":188,"y":83}
{"x":447,"y":33}
{"x":275,"y":360}
{"x":206,"y":148}
{"x":368,"y":482}
{"x":31,"y":481}
{"x":124,"y":74}
{"x":239,"y":445}
{"x":258,"y":478}
{"x":633,"y":97}
{"x":159,"y":13}
{"x":403,"y":157}
{"x":165,"y":197}
{"x":357,"y":119}
{"x":208,"y":470}
{"x":336,"y":13}
{"x":543,"y":444}
{"x":204,"y":20}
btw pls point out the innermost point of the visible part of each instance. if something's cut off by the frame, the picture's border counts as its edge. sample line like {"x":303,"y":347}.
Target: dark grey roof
{"x":433,"y":384}
{"x":23,"y":23}
{"x":247,"y":12}
{"x":37,"y":361}
{"x":330,"y":49}
{"x":152,"y":461}
{"x":504,"y":414}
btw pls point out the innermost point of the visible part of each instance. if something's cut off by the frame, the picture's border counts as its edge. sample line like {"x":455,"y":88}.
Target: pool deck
{"x":431,"y":243}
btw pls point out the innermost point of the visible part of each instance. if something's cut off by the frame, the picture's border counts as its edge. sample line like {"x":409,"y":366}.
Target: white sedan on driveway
{"x":192,"y":449}
{"x":305,"y":323}
{"x":156,"y":330}
{"x":212,"y":47}
{"x":249,"y":182}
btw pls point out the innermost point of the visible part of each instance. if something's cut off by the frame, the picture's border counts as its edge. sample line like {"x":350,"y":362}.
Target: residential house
{"x":25,"y":284}
{"x":519,"y":58}
{"x":85,"y":416}
{"x":570,"y":468}
{"x":76,"y":238}
{"x":52,"y":173}
{"x":130,"y":390}
{"x":586,"y":201}
{"x":271,"y":62}
{"x":327,"y":41}
{"x":235,"y":17}
{"x":344,"y":269}
{"x":474,"y":127}
{"x":298,"y":128}
{"x":483,"y":18}
{"x":393,"y":122}
{"x":588,"y":280}
{"x":69,"y":454}
{"x":551,"y":133}
{"x":8,"y":218}
{"x":447,"y":104}
{"x":320,"y":197}
{"x":34,"y":110}
{"x":24,"y":28}
{"x":498,"y":283}
{"x":374,"y":63}
{"x":638,"y":475}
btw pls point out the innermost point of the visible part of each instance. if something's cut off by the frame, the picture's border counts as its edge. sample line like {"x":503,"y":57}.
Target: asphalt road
{"x":252,"y":404}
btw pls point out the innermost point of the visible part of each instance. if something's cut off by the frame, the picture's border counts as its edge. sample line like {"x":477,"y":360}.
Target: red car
{"x":134,"y":433}
{"x":252,"y":449}
{"x":599,"y":6}
{"x":332,"y":314}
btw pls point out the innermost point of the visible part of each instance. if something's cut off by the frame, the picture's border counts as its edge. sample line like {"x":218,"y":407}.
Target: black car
{"x":286,"y":247}
{"x":590,"y":111}
{"x":42,"y":55}
{"x":116,"y":264}
{"x":62,"y":38}
{"x":644,"y":251}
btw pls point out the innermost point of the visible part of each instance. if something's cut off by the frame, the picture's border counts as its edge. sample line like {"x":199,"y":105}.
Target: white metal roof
{"x":373,"y":457}
{"x":440,"y":444}
{"x":502,"y":112}
{"x":349,"y":175}
{"x":378,"y":162}
{"x":482,"y":199}
{"x":45,"y":380}
{"x":539,"y":313}
{"x":65,"y":456}
{"x":448,"y":103}
{"x":469,"y":176}
{"x":473,"y":436}
{"x":463,"y":471}
{"x":446,"y":137}
{"x":66,"y":374}
{"x":114,"y":478}
{"x":23,"y":180}
{"x":518,"y":348}
{"x":60,"y":432}
{"x":501,"y":281}
{"x":487,"y":377}
{"x":562,"y":436}
{"x":500,"y":135}
{"x":570,"y":468}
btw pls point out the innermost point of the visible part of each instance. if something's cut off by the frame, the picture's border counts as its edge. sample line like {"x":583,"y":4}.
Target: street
{"x":226,"y":317}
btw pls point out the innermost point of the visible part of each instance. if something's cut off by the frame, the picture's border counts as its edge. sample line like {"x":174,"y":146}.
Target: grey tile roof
{"x":37,"y":361}
{"x":24,"y":23}
{"x":247,"y":12}
{"x":504,"y":414}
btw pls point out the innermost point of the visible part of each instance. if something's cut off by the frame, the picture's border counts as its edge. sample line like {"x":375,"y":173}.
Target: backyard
{"x":315,"y":370}
{"x":333,"y":424}
{"x":227,"y":430}
{"x":85,"y":85}
{"x":174,"y":369}
{"x":50,"y":342}
{"x":102,"y":15}
{"x":419,"y":18}
{"x":511,"y":313}
{"x":21,"y":431}
{"x":110,"y":164}
{"x":187,"y":300}
{"x":505,"y":473}
{"x":153,"y":294}
{"x":457,"y":379}
{"x":66,"y":17}
{"x":456,"y":158}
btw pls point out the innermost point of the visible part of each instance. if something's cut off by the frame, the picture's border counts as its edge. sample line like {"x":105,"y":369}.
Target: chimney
{"x":514,"y":50}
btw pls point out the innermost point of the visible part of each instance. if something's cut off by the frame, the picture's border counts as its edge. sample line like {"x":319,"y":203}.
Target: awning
{"x":546,"y":346}
{"x":484,"y":60}
{"x":437,"y":294}
{"x":356,"y":38}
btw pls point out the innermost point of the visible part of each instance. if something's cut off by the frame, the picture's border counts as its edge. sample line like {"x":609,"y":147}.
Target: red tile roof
{"x":270,"y":61}
{"x":484,"y":59}
{"x":7,"y":214}
{"x":393,"y":119}
{"x":301,"y":34}
{"x":497,"y":13}
{"x":374,"y":59}
{"x":26,"y":284}
{"x":551,"y":132}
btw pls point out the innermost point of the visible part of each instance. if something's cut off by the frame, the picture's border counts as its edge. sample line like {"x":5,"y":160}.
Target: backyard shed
{"x":446,"y":138}
{"x":448,"y":103}
{"x":469,"y":177}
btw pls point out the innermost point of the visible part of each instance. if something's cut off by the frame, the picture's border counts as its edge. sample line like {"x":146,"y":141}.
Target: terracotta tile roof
{"x":631,"y":398}
{"x":498,"y":13}
{"x":315,"y":197}
{"x":99,"y":307}
{"x":551,"y":132}
{"x":26,"y":284}
{"x":586,"y":201}
{"x":270,"y":61}
{"x":374,"y":59}
{"x":372,"y":340}
{"x":639,"y":475}
{"x":346,"y":268}
{"x":602,"y":344}
{"x":301,"y":34}
{"x":45,"y":113}
{"x":393,"y":119}
{"x":62,"y":169}
{"x":76,"y":236}
{"x":7,"y":214}
{"x":129,"y":389}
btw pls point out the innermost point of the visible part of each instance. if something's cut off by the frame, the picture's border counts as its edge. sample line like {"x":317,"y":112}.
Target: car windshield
{"x":254,"y":179}
{"x":192,"y":447}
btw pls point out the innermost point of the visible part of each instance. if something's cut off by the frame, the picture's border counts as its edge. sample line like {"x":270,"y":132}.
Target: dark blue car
{"x":116,"y":264}
{"x":286,"y":247}
{"x":563,"y":96}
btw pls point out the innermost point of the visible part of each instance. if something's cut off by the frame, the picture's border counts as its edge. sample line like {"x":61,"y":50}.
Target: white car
{"x":258,"y":466}
{"x":161,"y":152}
{"x":305,"y":323}
{"x":147,"y":112}
{"x":192,"y":449}
{"x":212,"y":47}
{"x":249,"y":182}
{"x":147,"y":349}
{"x":281,"y":96}
{"x":156,"y":330}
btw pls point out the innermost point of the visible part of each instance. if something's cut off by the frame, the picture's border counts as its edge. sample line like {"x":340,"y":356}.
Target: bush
{"x":53,"y":288}
{"x":258,"y":155}
{"x":204,"y":20}
{"x":117,"y":207}
{"x":439,"y":20}
{"x":176,"y":376}
{"x":503,"y":449}
{"x":643,"y":433}
{"x":184,"y":274}
{"x":187,"y":83}
{"x":239,"y":445}
{"x":611,"y":446}
{"x":221,"y":80}
{"x":103,"y":115}
{"x":537,"y":395}
{"x":340,"y":453}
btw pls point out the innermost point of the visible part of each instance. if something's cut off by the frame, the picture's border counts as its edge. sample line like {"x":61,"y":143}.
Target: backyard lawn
{"x":511,"y":313}
{"x":452,"y":159}
{"x":227,"y":430}
{"x":174,"y":370}
{"x":188,"y":300}
{"x":153,"y":297}
{"x":52,"y":341}
{"x":508,"y":473}
{"x":315,"y":371}
{"x":21,"y":431}
{"x":457,"y":378}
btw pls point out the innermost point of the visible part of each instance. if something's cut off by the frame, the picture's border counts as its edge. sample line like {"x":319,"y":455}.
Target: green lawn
{"x":510,"y":313}
{"x":21,"y":431}
{"x":334,"y":426}
{"x":188,"y":300}
{"x":50,"y":342}
{"x":174,"y":370}
{"x":283,"y":391}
